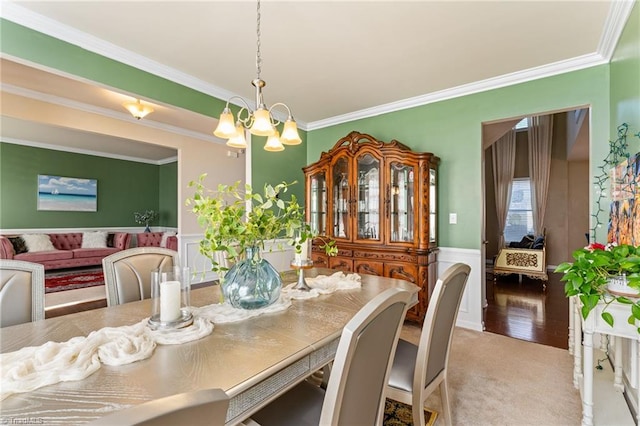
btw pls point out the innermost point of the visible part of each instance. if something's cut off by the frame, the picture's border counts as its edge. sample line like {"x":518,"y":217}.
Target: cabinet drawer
{"x":341,"y":264}
{"x":320,"y":260}
{"x":402,"y":271}
{"x":368,"y":267}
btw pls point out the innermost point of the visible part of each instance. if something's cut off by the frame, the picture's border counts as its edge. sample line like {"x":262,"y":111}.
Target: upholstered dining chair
{"x":21,"y":292}
{"x":418,"y":370}
{"x":127,"y":273}
{"x":355,"y":391}
{"x":197,"y":408}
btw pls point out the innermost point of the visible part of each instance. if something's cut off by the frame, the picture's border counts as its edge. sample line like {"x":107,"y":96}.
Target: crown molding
{"x":20,"y":15}
{"x":614,"y":25}
{"x":105,"y":112}
{"x":530,"y":74}
{"x":87,"y":151}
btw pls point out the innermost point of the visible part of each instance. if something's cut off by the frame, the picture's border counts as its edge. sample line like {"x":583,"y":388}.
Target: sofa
{"x":66,"y":250}
{"x":157,"y":239}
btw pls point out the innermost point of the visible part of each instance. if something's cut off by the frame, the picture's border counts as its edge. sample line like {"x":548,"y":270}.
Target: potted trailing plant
{"x":145,"y":218}
{"x":237,"y":222}
{"x":594,"y":270}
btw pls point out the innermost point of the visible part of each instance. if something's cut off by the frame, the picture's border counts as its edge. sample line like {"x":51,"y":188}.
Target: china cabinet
{"x":378,"y":201}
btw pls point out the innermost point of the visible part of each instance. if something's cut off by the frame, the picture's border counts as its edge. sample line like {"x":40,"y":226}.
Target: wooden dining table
{"x":253,"y":360}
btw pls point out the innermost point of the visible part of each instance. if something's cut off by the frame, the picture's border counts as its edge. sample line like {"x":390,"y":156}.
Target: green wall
{"x":625,"y":81}
{"x":277,"y":167}
{"x":123,"y":188}
{"x":452,"y":130}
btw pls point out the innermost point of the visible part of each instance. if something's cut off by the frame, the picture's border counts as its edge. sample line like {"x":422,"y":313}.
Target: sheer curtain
{"x":539,"y":135}
{"x":503,"y":153}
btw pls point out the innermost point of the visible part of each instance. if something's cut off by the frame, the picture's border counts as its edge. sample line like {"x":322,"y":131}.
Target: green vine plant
{"x":588,"y":275}
{"x":234,"y":219}
{"x":618,"y":152}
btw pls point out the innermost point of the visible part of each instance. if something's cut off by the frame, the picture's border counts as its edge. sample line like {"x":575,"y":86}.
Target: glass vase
{"x":252,"y":283}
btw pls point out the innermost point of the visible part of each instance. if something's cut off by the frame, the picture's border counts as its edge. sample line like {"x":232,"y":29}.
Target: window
{"x":520,"y":214}
{"x":522,"y":124}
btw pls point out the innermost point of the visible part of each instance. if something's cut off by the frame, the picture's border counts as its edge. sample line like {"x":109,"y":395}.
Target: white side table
{"x":595,"y":324}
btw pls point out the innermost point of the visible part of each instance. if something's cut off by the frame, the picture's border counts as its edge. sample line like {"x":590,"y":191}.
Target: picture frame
{"x":59,"y":193}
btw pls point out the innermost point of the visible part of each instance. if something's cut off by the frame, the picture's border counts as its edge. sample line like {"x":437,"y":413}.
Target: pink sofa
{"x":68,"y":253}
{"x":154,"y":239}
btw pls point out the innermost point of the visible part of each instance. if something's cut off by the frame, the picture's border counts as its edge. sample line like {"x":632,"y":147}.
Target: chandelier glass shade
{"x":259,"y":122}
{"x":137,"y":109}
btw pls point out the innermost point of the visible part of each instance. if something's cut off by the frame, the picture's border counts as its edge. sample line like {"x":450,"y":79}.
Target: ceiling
{"x":329,"y":61}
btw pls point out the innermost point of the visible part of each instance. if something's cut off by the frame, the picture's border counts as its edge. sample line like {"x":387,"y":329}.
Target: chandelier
{"x":259,"y":122}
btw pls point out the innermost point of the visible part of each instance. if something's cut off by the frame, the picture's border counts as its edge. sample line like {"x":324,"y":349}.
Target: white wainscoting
{"x":278,"y":253}
{"x":470,"y":313}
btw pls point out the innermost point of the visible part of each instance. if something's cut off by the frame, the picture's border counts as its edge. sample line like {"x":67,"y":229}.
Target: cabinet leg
{"x":617,"y":381}
{"x":577,"y":344}
{"x":638,"y":401}
{"x":571,"y":316}
{"x":587,"y":394}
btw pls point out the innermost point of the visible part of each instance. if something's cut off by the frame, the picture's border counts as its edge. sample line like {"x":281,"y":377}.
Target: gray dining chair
{"x":197,"y":408}
{"x":21,"y":292}
{"x":419,"y":370}
{"x":127,"y":273}
{"x":355,"y":390}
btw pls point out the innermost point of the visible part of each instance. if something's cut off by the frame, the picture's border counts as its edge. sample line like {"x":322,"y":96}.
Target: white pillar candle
{"x":304,"y":252}
{"x":169,"y":301}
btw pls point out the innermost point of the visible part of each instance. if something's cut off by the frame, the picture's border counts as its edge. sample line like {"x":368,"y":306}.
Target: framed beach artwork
{"x":67,"y":194}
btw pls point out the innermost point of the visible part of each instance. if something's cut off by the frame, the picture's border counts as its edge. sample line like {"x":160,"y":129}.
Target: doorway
{"x":519,"y":306}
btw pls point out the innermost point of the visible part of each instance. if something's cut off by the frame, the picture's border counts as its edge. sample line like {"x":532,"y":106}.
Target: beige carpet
{"x":497,"y":380}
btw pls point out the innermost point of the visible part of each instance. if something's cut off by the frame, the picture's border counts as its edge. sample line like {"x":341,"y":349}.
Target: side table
{"x":595,"y":324}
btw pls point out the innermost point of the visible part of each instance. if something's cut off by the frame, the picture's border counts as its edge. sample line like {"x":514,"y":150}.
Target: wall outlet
{"x":453,"y":218}
{"x":233,"y":154}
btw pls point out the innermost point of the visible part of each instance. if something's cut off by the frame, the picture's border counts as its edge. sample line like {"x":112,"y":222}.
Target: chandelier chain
{"x":258,"y":57}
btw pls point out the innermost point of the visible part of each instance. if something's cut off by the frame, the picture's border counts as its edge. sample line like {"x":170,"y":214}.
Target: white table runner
{"x":33,"y":367}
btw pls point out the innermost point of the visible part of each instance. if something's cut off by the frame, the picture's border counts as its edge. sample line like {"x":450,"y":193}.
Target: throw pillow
{"x":110,"y":239}
{"x":18,"y":245}
{"x":165,"y":235}
{"x":97,"y":239}
{"x":37,"y":242}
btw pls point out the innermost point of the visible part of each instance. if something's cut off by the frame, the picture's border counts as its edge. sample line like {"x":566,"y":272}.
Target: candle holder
{"x":300,"y":266}
{"x":171,"y":297}
{"x":301,"y":260}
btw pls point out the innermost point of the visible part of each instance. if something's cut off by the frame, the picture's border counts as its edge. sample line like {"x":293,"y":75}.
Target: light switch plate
{"x":453,"y":218}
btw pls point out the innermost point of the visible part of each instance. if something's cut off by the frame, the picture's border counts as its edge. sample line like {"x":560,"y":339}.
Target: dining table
{"x":253,"y":360}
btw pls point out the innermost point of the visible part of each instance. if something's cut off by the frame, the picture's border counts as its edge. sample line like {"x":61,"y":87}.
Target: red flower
{"x":595,"y":246}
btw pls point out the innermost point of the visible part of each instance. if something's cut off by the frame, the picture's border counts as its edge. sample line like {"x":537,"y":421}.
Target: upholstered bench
{"x":531,"y":262}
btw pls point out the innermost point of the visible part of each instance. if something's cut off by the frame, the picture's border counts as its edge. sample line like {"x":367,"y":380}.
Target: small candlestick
{"x":169,"y":301}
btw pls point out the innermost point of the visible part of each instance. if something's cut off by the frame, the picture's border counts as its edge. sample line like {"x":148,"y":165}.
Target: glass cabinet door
{"x":433,"y":219}
{"x":318,"y":203}
{"x":341,"y":199}
{"x":368,"y":201}
{"x":401,"y":203}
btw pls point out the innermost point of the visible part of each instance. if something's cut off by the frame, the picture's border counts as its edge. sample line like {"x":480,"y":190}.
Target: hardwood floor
{"x":524,"y":311}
